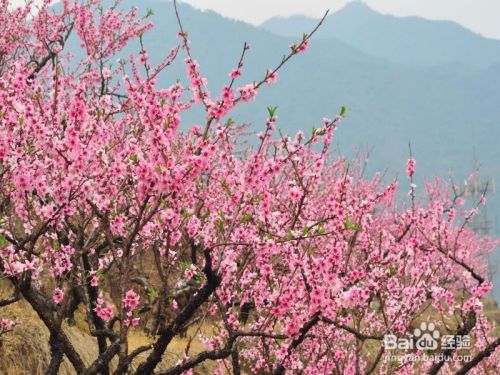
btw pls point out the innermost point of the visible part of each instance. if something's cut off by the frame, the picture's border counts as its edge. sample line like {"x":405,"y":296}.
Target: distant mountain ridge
{"x":408,"y":40}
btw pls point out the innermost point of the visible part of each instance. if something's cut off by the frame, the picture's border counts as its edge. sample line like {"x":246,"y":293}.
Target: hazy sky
{"x":482,"y":16}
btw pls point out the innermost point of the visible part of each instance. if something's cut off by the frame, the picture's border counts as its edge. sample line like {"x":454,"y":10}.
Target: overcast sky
{"x":482,"y":16}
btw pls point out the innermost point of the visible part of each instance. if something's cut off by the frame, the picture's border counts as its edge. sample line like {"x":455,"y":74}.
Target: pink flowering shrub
{"x":295,"y":260}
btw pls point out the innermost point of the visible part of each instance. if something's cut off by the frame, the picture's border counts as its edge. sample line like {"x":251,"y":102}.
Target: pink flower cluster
{"x":410,"y":167}
{"x":247,"y":92}
{"x":58,"y":295}
{"x":8,"y":325}
{"x":301,"y":47}
{"x":131,"y":300}
{"x":103,"y":310}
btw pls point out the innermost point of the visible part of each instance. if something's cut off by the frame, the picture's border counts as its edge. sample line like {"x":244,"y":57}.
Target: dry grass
{"x":175,"y":350}
{"x":25,"y":350}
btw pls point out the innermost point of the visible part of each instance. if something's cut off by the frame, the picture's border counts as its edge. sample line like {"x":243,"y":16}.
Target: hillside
{"x":408,"y":40}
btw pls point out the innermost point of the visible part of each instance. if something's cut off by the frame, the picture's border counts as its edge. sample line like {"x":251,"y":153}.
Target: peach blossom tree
{"x":296,"y":261}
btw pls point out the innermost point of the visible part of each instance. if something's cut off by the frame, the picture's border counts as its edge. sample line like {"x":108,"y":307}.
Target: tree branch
{"x":479,"y":357}
{"x":213,"y":281}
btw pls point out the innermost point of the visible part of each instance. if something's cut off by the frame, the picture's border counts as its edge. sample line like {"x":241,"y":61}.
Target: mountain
{"x":408,"y":40}
{"x":448,"y":109}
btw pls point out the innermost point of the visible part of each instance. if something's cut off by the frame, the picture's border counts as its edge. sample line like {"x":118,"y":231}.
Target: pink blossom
{"x":248,"y":92}
{"x":131,"y":300}
{"x":105,"y":313}
{"x":94,"y":281}
{"x":58,"y":295}
{"x":7,"y":324}
{"x":213,"y":310}
{"x":103,"y":310}
{"x":271,"y":77}
{"x":235,"y":73}
{"x":174,"y":305}
{"x":301,"y":47}
{"x":410,"y":167}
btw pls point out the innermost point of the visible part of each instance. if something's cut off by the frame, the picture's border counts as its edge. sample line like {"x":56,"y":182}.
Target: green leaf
{"x":134,"y":158}
{"x":199,"y":279}
{"x":149,"y":13}
{"x":3,"y":241}
{"x":272,"y":111}
{"x":153,"y":293}
{"x":226,"y":188}
{"x":21,"y":120}
{"x":343,"y":111}
{"x":219,"y":224}
{"x":185,"y":214}
{"x":289,"y":235}
{"x":186,"y":265}
{"x":306,"y":231}
{"x":246,"y":218}
{"x":100,"y":272}
{"x":321,"y":132}
{"x":350,"y":226}
{"x":393,"y":270}
{"x":30,"y":149}
{"x":256,"y":198}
